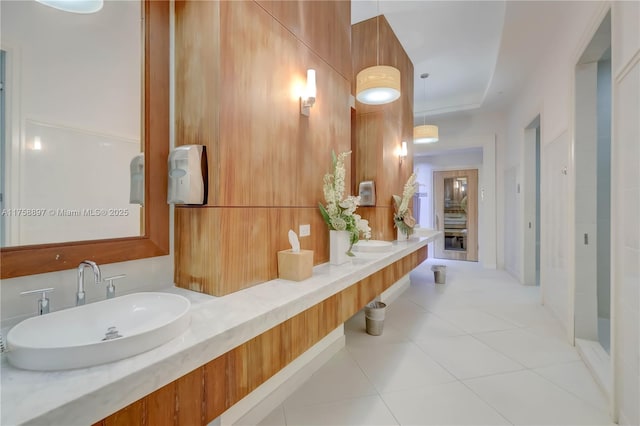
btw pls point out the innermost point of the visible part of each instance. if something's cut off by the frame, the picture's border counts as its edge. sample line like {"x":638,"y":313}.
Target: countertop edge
{"x":118,"y":384}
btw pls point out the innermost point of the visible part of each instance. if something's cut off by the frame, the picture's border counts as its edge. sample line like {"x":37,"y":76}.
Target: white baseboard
{"x":598,"y":362}
{"x":254,"y":407}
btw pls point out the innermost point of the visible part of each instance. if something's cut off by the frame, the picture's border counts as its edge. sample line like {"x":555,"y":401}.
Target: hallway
{"x":479,"y":350}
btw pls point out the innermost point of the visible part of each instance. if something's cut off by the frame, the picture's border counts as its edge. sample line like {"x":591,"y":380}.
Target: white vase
{"x":402,"y":237}
{"x":339,"y":244}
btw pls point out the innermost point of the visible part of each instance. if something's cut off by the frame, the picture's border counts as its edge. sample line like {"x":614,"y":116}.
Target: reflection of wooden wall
{"x":238,"y":68}
{"x":380,"y":129}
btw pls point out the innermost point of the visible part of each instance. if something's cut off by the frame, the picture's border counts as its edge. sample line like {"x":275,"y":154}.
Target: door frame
{"x":531,"y":204}
{"x":471,"y":252}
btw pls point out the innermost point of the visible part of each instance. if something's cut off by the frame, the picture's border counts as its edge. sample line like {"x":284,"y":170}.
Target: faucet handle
{"x":111,"y":288}
{"x":43,"y":302}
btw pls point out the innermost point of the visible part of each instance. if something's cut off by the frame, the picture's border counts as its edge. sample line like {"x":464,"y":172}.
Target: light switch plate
{"x":305,"y":230}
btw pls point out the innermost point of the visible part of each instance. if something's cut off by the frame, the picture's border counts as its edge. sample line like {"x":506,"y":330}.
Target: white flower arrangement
{"x":339,"y":213}
{"x":402,"y":218}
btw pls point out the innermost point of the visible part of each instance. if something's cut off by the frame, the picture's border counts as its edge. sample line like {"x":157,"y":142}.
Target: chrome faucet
{"x":80,"y":296}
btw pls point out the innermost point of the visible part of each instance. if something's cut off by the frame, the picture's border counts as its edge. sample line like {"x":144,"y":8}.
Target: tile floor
{"x":478,"y":350}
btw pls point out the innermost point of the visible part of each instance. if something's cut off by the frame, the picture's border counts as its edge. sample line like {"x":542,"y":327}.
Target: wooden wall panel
{"x":206,"y":392}
{"x":133,"y":414}
{"x":380,"y":129}
{"x":221,"y":250}
{"x":324,"y":26}
{"x":241,"y":66}
{"x":270,"y":153}
{"x":197,"y":80}
{"x":215,"y":387}
{"x":381,"y":222}
{"x":190,"y":401}
{"x":161,"y":406}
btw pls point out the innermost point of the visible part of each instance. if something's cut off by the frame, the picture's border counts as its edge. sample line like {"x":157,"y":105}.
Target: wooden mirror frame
{"x":37,"y":259}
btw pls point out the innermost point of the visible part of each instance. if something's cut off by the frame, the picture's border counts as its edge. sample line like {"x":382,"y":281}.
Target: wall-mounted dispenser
{"x":136,"y":192}
{"x":367,"y":193}
{"x":188,"y":175}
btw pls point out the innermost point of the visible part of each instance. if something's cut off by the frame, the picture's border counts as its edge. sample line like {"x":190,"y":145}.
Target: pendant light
{"x":426,"y":133}
{"x":379,"y":84}
{"x":74,"y":6}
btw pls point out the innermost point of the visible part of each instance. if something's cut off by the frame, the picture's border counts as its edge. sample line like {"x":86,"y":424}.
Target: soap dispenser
{"x":111,"y":288}
{"x":44,"y":306}
{"x":136,"y":191}
{"x":367,"y":193}
{"x":188,"y":175}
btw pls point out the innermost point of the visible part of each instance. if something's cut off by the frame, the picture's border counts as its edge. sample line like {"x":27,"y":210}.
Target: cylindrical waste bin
{"x":439,"y":273}
{"x":374,"y":317}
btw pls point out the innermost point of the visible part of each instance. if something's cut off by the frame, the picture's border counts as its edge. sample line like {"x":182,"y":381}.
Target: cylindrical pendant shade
{"x":378,"y":85}
{"x":74,"y":6}
{"x":425,"y":134}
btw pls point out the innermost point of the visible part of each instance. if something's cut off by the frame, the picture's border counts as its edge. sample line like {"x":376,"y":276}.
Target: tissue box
{"x":295,"y":266}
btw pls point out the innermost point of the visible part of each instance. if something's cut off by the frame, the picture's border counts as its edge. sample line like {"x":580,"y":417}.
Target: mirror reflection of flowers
{"x":402,"y":218}
{"x":339,"y":213}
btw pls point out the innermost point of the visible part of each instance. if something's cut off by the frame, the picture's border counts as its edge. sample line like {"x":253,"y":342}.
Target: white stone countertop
{"x":218,"y":324}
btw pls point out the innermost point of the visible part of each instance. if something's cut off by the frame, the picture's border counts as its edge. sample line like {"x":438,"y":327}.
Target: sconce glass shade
{"x":308,"y":98}
{"x":74,"y":6}
{"x":310,"y":91}
{"x":403,"y":150}
{"x":378,"y":85}
{"x":425,"y":134}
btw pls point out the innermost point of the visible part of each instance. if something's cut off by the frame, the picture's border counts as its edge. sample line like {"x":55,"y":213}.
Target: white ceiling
{"x":478,"y":53}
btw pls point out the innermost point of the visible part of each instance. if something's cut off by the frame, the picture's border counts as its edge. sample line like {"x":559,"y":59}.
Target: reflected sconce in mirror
{"x":74,"y":6}
{"x":403,"y":151}
{"x":308,"y":98}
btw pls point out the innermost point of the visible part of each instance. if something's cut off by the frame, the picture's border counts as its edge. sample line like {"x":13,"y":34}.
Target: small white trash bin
{"x":374,"y":317}
{"x":439,"y":273}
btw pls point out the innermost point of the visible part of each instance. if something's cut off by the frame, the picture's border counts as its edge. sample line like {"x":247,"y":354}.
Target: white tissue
{"x":293,"y":240}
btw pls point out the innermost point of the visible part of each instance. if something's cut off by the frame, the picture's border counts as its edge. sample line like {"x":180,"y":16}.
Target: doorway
{"x":592,"y":157}
{"x":456,"y":214}
{"x":532,"y":203}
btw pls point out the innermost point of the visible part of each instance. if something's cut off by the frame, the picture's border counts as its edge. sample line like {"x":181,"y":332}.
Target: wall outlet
{"x":305,"y":230}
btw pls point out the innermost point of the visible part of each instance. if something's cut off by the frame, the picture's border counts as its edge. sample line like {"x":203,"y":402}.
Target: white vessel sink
{"x":372,"y":246}
{"x":73,"y":338}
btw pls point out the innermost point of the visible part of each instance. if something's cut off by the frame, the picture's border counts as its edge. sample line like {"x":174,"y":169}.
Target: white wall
{"x":625,"y":210}
{"x":426,"y":165}
{"x":511,"y":220}
{"x":549,"y":91}
{"x":486,"y":131}
{"x":452,"y":160}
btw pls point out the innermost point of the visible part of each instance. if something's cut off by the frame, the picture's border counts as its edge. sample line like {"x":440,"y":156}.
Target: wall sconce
{"x":402,"y":151}
{"x":308,"y":98}
{"x":37,"y":144}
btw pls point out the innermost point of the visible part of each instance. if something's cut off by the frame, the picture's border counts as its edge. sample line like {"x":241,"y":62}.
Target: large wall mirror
{"x":84,"y":96}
